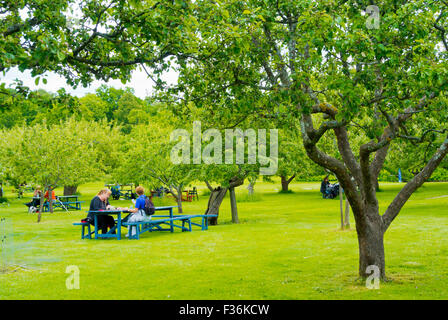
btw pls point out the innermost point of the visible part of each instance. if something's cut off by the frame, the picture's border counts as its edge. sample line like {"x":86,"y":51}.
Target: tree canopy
{"x":322,"y":63}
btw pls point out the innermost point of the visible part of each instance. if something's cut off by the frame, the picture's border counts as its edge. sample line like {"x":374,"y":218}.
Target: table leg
{"x":96,"y":226}
{"x":119,"y":226}
{"x":172,"y":222}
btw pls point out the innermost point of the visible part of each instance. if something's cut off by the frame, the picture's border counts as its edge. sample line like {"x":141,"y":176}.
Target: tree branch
{"x":394,"y":208}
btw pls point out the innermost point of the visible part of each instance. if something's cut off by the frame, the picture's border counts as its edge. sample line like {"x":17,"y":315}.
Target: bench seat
{"x":85,"y":225}
{"x":149,"y":225}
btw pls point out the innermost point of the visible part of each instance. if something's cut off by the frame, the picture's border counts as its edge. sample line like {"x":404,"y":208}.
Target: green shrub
{"x":3,"y":200}
{"x":440,"y":174}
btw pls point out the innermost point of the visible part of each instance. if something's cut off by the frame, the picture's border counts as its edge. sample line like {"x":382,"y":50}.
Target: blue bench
{"x":150,"y":225}
{"x":85,"y":225}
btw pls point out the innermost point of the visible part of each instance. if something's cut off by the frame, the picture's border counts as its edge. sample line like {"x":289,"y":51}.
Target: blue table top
{"x":108,"y":211}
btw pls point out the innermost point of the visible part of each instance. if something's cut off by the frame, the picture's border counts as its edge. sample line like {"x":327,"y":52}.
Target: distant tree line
{"x":21,"y":106}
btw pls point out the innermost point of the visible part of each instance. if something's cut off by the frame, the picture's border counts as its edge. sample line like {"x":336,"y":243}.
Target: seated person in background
{"x":328,"y":190}
{"x":324,"y":185}
{"x":138,"y":213}
{"x":47,"y":197}
{"x":53,"y":196}
{"x":98,"y":203}
{"x":34,"y":205}
{"x":37,"y":192}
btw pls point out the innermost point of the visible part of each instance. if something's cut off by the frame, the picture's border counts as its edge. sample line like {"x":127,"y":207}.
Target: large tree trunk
{"x":233,"y":205}
{"x":70,"y":190}
{"x":214,"y":202}
{"x":1,"y":190}
{"x":371,"y":246}
{"x":359,"y":177}
{"x":285,"y":182}
{"x":216,"y":197}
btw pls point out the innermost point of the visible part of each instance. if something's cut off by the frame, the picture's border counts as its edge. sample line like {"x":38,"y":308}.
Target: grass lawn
{"x":287,"y":246}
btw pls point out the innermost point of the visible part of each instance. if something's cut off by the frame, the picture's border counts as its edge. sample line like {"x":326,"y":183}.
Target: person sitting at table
{"x":33,"y":205}
{"x":47,"y":197}
{"x":101,"y":202}
{"x":138,"y":213}
{"x":37,"y":194}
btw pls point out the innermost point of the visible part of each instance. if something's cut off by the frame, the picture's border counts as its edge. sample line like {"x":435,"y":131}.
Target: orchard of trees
{"x":349,"y":99}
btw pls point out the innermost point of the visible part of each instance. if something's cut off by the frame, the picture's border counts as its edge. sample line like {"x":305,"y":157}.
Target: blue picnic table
{"x":70,"y":202}
{"x":143,"y":226}
{"x":114,"y":232}
{"x":64,"y":202}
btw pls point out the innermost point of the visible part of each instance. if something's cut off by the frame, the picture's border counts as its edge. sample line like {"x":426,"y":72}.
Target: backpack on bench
{"x":149,"y":207}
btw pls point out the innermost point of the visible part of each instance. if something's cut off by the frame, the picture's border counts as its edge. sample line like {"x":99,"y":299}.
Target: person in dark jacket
{"x":101,"y":202}
{"x":324,"y":185}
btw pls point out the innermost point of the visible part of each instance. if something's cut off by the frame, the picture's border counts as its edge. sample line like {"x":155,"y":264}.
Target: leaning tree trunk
{"x":233,"y":205}
{"x":214,"y":202}
{"x":70,"y":190}
{"x":216,"y":197}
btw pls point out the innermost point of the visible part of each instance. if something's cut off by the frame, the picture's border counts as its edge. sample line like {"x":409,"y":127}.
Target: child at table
{"x":138,"y":213}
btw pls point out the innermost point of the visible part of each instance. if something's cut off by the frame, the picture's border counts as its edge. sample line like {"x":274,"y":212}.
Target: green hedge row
{"x":439,"y":175}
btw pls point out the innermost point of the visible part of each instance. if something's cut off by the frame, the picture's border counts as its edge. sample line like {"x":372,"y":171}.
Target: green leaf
{"x":61,"y":56}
